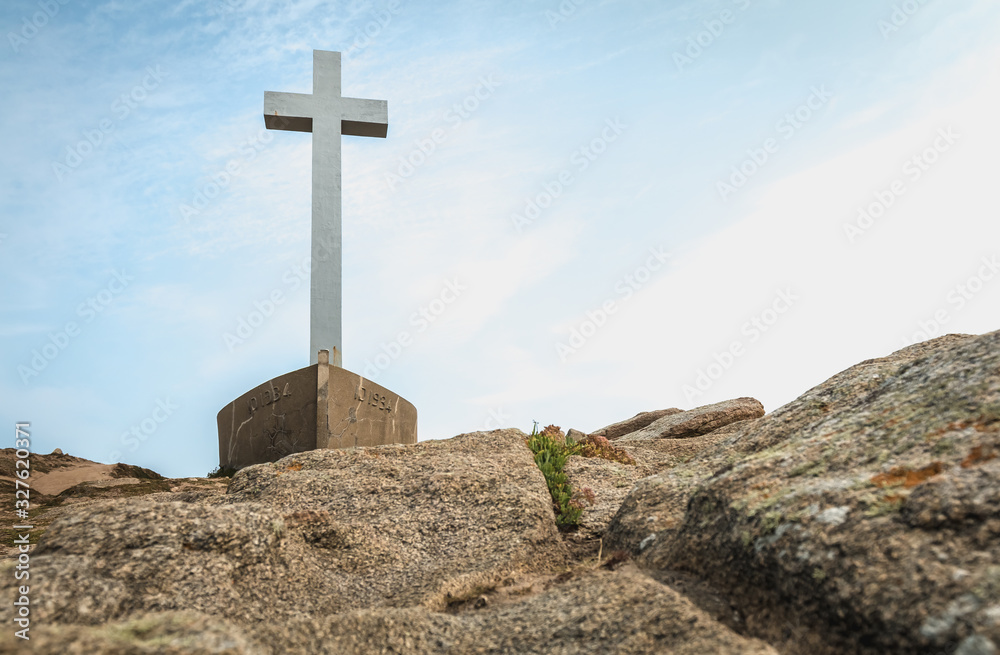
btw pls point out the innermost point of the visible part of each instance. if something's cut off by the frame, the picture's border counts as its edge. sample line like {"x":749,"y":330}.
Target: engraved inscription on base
{"x":320,"y":406}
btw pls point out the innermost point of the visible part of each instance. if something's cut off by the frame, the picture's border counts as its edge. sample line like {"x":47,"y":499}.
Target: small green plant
{"x":221,"y":472}
{"x":550,"y":458}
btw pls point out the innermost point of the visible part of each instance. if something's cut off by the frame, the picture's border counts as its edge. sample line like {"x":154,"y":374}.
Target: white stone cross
{"x":327,"y":115}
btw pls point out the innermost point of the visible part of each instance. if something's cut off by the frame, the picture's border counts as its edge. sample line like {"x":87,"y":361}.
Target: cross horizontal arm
{"x":289,"y":111}
{"x":362,"y":117}
{"x":295,"y":112}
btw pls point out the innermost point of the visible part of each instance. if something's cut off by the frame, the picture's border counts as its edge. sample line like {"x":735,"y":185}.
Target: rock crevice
{"x":861,"y":517}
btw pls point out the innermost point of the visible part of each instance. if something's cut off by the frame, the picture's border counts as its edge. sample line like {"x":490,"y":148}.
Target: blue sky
{"x":629,"y":205}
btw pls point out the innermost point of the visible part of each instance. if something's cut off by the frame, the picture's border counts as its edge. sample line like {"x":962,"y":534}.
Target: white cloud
{"x":856,"y":301}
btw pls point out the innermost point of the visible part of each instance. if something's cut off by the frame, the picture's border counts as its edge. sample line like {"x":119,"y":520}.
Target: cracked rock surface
{"x":863,"y":517}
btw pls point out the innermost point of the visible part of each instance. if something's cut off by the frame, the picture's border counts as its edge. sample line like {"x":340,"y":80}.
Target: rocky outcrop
{"x":62,"y":484}
{"x":320,"y":533}
{"x":637,"y":422}
{"x":622,"y":612}
{"x":351,"y":552}
{"x":698,"y":421}
{"x":865,"y":513}
{"x":613,"y":482}
{"x":863,"y":517}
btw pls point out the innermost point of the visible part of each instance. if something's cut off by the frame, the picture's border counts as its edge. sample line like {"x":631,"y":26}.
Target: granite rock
{"x":637,"y":422}
{"x":861,"y":517}
{"x":320,"y":532}
{"x":698,"y":421}
{"x":600,"y":612}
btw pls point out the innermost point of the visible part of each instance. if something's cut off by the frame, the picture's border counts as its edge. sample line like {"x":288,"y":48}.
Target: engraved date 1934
{"x":381,"y":402}
{"x":271,"y":395}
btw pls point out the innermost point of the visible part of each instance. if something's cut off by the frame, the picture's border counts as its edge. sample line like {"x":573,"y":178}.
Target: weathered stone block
{"x":320,"y":406}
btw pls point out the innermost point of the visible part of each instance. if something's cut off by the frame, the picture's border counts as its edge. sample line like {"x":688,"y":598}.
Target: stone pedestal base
{"x":320,"y":406}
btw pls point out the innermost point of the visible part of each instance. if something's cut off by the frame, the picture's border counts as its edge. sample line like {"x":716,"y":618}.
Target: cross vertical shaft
{"x":326,"y":276}
{"x":328,"y":116}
